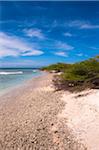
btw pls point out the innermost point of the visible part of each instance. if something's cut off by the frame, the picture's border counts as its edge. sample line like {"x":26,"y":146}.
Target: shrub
{"x":79,"y":76}
{"x":59,"y":67}
{"x":76,"y":76}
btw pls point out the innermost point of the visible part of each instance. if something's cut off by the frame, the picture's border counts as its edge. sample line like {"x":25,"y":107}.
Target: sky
{"x":34,"y":33}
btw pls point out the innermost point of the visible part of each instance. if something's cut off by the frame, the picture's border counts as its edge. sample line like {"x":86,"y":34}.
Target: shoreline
{"x":29,"y":118}
{"x":21,"y":85}
{"x":35,"y":116}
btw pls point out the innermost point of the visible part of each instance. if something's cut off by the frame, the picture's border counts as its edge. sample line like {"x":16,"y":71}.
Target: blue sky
{"x":42,"y":33}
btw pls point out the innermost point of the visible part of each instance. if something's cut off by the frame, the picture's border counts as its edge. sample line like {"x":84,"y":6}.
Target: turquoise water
{"x":9,"y":78}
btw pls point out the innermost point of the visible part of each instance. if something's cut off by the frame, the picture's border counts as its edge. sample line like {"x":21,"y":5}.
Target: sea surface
{"x":12,"y":77}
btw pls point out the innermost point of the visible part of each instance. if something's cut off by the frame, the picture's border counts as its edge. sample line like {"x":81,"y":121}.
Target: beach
{"x":49,"y":75}
{"x":36,"y":117}
{"x":28,"y":117}
{"x":82,"y":114}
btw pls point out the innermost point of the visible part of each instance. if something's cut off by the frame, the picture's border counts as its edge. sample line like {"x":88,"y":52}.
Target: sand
{"x":36,"y":117}
{"x":82,"y":114}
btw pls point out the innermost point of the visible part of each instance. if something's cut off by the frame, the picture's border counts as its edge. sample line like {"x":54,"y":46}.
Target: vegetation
{"x":76,"y":76}
{"x":59,"y":67}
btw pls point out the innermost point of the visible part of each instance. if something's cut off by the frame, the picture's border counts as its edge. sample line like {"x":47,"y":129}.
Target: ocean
{"x":10,"y":78}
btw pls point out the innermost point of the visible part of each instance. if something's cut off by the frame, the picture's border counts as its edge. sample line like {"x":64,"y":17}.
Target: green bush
{"x":79,"y":76}
{"x":76,"y":76}
{"x":59,"y":67}
{"x":82,"y":70}
{"x":75,"y":72}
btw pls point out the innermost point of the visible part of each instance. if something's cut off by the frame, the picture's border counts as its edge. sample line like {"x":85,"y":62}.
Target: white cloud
{"x":68,"y":34}
{"x":37,"y":33}
{"x":89,"y":26}
{"x":83,"y":24}
{"x":61,"y":53}
{"x":75,"y":23}
{"x":14,"y":46}
{"x":34,"y":52}
{"x":63,"y":46}
{"x":7,"y":52}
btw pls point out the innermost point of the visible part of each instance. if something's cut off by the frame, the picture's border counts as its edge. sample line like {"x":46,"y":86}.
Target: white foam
{"x":35,"y":70}
{"x":8,"y":73}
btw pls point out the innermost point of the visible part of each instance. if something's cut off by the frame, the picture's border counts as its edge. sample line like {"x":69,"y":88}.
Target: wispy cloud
{"x":67,"y":34}
{"x":37,"y":33}
{"x":14,"y":46}
{"x":83,"y":24}
{"x":89,"y":26}
{"x":31,"y":53}
{"x":80,"y":24}
{"x":61,"y":53}
{"x":95,"y":48}
{"x":75,"y":23}
{"x":63,"y":46}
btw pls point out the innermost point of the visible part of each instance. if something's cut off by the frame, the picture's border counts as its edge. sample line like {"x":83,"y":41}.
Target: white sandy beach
{"x":36,"y":117}
{"x":82,"y":114}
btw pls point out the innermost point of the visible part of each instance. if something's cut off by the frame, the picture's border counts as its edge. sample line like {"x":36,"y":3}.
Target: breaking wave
{"x":8,"y":73}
